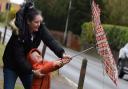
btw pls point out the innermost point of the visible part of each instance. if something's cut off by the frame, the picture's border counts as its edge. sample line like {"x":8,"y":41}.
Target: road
{"x":95,"y":76}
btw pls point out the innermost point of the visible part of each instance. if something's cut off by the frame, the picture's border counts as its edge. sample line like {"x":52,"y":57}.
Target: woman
{"x":29,"y":35}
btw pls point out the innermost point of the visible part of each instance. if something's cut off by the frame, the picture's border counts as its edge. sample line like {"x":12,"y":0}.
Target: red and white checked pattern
{"x":103,"y":46}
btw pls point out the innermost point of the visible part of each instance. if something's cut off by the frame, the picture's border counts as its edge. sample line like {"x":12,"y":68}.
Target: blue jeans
{"x":11,"y":76}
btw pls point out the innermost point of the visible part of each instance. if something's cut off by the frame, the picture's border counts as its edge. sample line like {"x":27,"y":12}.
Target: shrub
{"x":87,"y":36}
{"x":2,"y":17}
{"x":11,"y":14}
{"x":117,"y":35}
{"x":7,"y":15}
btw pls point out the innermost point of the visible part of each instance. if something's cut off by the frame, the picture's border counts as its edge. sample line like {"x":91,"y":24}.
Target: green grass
{"x":1,"y":24}
{"x":17,"y":86}
{"x":2,"y":47}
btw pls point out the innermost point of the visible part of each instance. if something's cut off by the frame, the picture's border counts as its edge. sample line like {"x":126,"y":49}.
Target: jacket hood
{"x":29,"y":57}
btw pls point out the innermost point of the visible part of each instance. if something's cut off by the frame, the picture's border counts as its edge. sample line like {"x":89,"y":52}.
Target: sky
{"x":17,"y":1}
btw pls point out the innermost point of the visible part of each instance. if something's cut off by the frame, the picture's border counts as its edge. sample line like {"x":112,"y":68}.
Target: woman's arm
{"x":50,"y":41}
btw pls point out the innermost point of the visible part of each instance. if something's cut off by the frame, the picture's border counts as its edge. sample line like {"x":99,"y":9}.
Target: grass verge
{"x":17,"y":86}
{"x":2,"y":47}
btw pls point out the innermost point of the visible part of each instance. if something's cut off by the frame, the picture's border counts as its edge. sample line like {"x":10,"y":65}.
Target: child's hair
{"x":35,"y":50}
{"x":29,"y":57}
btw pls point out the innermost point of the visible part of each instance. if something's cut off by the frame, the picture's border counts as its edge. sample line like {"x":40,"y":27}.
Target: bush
{"x":2,"y":17}
{"x":117,"y":35}
{"x":87,"y":39}
{"x":2,"y":47}
{"x":10,"y":14}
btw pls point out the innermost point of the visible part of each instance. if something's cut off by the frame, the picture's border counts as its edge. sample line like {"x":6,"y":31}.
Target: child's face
{"x":36,"y":56}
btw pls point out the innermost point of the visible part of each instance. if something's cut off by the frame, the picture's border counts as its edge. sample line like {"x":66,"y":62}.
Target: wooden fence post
{"x":82,"y":74}
{"x":0,"y":36}
{"x":43,"y":50}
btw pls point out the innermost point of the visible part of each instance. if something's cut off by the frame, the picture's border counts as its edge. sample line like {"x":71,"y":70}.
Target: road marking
{"x":71,"y":82}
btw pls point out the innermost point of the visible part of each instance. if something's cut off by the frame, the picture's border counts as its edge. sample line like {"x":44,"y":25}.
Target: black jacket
{"x":17,"y":48}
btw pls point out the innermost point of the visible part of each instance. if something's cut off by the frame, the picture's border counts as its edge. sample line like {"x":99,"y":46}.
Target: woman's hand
{"x":66,"y":56}
{"x":62,"y":61}
{"x":66,"y":59}
{"x":37,"y":73}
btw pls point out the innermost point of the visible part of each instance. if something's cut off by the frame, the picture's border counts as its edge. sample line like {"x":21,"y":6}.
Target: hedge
{"x":117,"y":35}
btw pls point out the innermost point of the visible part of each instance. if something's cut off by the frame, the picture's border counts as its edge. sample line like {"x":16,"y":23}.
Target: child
{"x":45,"y":67}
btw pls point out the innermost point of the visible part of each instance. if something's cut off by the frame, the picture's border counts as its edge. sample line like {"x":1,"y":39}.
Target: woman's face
{"x":35,"y":23}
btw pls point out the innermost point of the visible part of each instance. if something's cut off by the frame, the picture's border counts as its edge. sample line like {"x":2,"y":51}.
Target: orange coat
{"x":46,"y":67}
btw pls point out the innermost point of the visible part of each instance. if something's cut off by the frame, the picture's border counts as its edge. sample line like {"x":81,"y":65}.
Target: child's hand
{"x":66,"y":60}
{"x":59,"y":63}
{"x":37,"y":73}
{"x":62,"y":62}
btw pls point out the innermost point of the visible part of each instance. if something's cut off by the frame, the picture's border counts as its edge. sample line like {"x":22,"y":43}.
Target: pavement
{"x":57,"y":81}
{"x":60,"y":82}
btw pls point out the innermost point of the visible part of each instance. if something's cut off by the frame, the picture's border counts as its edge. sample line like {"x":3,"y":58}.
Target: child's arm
{"x":48,"y":66}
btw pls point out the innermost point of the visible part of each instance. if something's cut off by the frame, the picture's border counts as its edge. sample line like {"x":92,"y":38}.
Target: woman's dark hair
{"x":27,"y":12}
{"x":30,"y":13}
